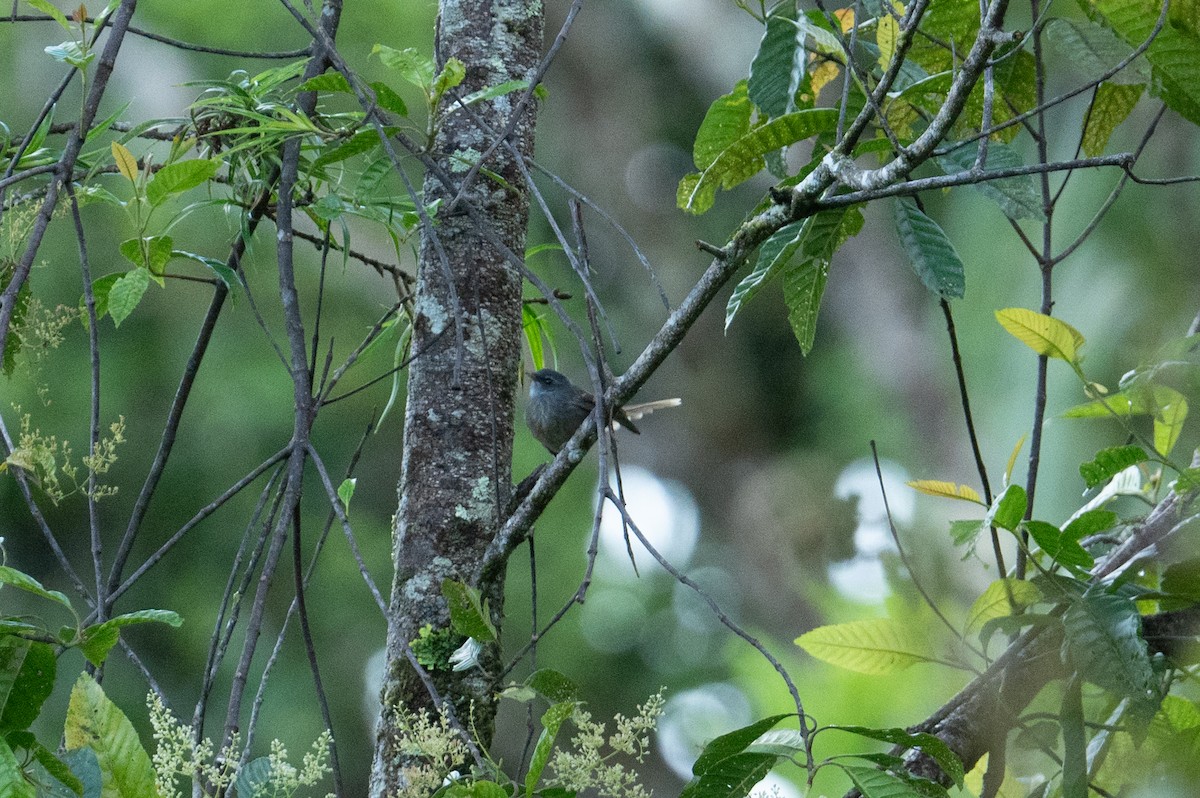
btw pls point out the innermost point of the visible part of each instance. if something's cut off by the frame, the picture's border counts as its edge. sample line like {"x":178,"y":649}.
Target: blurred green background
{"x":758,"y":487}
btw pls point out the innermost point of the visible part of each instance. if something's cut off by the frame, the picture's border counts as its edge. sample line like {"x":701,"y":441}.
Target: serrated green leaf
{"x":23,"y":581}
{"x":1095,"y":50}
{"x":779,"y":65}
{"x":1043,"y":334}
{"x":126,"y":293}
{"x":1018,"y":197}
{"x":743,"y":158}
{"x":1008,"y":508}
{"x":1111,"y":106}
{"x":175,"y":178}
{"x":94,"y":722}
{"x":1103,"y":639}
{"x":876,"y":646}
{"x":468,"y":614}
{"x":772,"y":255}
{"x":152,"y":253}
{"x":552,"y":721}
{"x":412,"y":65}
{"x":726,"y":121}
{"x":1110,"y":462}
{"x":1001,"y":598}
{"x":1058,"y":547}
{"x":929,"y":251}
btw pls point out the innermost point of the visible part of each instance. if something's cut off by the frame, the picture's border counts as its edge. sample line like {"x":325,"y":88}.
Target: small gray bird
{"x":556,"y":409}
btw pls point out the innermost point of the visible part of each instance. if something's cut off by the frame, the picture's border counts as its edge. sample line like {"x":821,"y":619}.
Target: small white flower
{"x":467,"y":655}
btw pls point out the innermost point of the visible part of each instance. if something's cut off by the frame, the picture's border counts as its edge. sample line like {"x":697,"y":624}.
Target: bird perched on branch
{"x":556,"y":409}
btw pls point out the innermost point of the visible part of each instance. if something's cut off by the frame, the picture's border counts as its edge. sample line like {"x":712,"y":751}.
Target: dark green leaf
{"x":929,"y":250}
{"x":254,"y":779}
{"x":389,"y":100}
{"x":552,"y":685}
{"x":732,"y":777}
{"x":1109,"y":463}
{"x":804,"y":277}
{"x":12,"y":780}
{"x":875,"y":783}
{"x":151,"y":252}
{"x":68,"y":784}
{"x":778,"y":68}
{"x":552,"y":720}
{"x":930,"y":744}
{"x":330,"y":81}
{"x":1181,"y":582}
{"x":1074,"y":766}
{"x":1095,"y":50}
{"x":772,"y":255}
{"x":1017,"y":196}
{"x":364,"y":140}
{"x":732,"y":743}
{"x":225,"y":274}
{"x":468,"y":614}
{"x":27,"y":672}
{"x":23,"y":581}
{"x":1089,"y":523}
{"x":1103,"y":639}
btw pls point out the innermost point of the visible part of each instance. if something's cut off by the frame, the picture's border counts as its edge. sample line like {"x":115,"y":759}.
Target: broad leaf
{"x":778,"y":68}
{"x":1058,"y":547}
{"x":1008,"y":509}
{"x":23,"y":581}
{"x":1110,"y":462}
{"x":1103,"y":638}
{"x":930,"y":744}
{"x":726,"y":121}
{"x":1111,"y":106}
{"x":552,"y":720}
{"x":93,"y":721}
{"x":468,"y":613}
{"x":1043,"y":334}
{"x":27,"y":670}
{"x":126,"y":293}
{"x":175,"y":178}
{"x":126,"y":163}
{"x":1001,"y":598}
{"x":929,"y":251}
{"x":1018,"y":196}
{"x":875,"y":646}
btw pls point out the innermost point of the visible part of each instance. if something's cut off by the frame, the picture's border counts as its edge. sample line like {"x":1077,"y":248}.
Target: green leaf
{"x":152,"y":253}
{"x":537,"y":334}
{"x":743,"y":158}
{"x":1095,"y":50}
{"x":27,"y":670}
{"x":492,"y":92}
{"x":1103,"y":639}
{"x":345,"y":491}
{"x":95,"y":722}
{"x":46,"y":7}
{"x":1168,"y":420}
{"x":779,"y":66}
{"x":1018,"y":197}
{"x":875,"y":783}
{"x":254,"y":779}
{"x":1058,"y":547}
{"x":930,"y":744}
{"x":452,"y":75}
{"x":804,"y":279}
{"x":1074,"y":765}
{"x":364,"y":140}
{"x":1043,"y":334}
{"x":388,"y":99}
{"x":552,"y":720}
{"x":1001,"y":598}
{"x":1181,"y":582}
{"x":1008,"y":508}
{"x":875,"y":646}
{"x":126,"y":164}
{"x":330,"y":81}
{"x":1089,"y":523}
{"x":175,"y":178}
{"x":929,"y":250}
{"x":553,"y":685}
{"x":61,"y":772}
{"x":99,"y":639}
{"x":772,"y":255}
{"x":468,"y":613}
{"x":23,"y":581}
{"x":225,"y":274}
{"x":1111,"y":106}
{"x":726,"y":121}
{"x":725,"y":769}
{"x":126,"y":293}
{"x":12,"y":779}
{"x":415,"y":67}
{"x":71,"y":53}
{"x":1110,"y":462}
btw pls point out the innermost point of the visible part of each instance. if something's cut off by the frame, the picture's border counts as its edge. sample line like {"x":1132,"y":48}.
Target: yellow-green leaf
{"x":126,"y":163}
{"x":95,"y":722}
{"x":1168,"y":420}
{"x":1001,"y":598}
{"x":1012,"y":460}
{"x":877,"y":646}
{"x":948,"y":490}
{"x":1043,"y":334}
{"x":885,"y":37}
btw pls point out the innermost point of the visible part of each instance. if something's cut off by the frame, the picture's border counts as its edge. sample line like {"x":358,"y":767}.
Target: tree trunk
{"x":457,"y":460}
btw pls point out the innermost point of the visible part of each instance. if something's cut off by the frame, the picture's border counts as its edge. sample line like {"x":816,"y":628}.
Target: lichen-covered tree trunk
{"x":458,"y":430}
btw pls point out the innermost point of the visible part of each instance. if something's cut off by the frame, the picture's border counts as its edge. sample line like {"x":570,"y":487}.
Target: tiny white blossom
{"x":467,"y":655}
